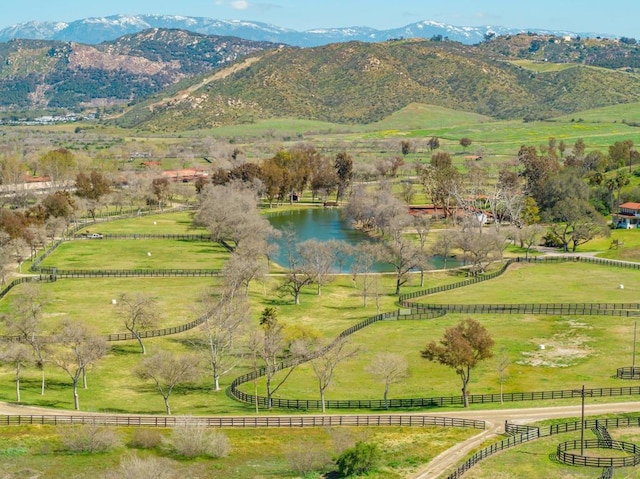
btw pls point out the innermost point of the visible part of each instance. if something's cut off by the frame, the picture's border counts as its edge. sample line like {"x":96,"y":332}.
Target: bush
{"x":146,"y":439}
{"x":306,"y":457}
{"x":89,"y":438}
{"x":360,"y":459}
{"x":134,"y":467}
{"x":192,"y":440}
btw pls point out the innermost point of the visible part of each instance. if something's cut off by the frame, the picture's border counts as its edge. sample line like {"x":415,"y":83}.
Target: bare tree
{"x":138,"y":311}
{"x":461,"y":348}
{"x":502,"y":365}
{"x":77,"y":348}
{"x":325,"y":360}
{"x":529,"y":235}
{"x":365,"y":257}
{"x":167,"y":370}
{"x":17,"y":355}
{"x":25,"y":321}
{"x":226,"y":318}
{"x":318,"y":258}
{"x":274,"y":350}
{"x":403,"y":256}
{"x":298,"y":275}
{"x":388,"y":368}
{"x":445,"y":242}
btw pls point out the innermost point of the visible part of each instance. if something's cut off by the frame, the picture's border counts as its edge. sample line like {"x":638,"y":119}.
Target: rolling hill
{"x":363,"y":82}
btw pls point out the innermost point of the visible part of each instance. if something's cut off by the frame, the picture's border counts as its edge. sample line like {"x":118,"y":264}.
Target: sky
{"x":618,"y":17}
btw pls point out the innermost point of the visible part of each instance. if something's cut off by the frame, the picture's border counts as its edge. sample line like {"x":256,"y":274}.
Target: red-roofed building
{"x":628,"y":216}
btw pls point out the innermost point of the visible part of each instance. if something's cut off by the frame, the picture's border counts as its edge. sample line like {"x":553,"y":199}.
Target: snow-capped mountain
{"x":97,"y":30}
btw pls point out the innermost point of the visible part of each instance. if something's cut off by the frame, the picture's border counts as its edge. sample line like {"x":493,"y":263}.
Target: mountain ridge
{"x":95,"y":30}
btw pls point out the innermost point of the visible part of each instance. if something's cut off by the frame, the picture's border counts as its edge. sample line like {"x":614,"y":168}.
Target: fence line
{"x":244,"y":422}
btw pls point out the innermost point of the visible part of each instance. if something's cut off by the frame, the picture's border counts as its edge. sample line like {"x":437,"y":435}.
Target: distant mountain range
{"x":97,"y":30}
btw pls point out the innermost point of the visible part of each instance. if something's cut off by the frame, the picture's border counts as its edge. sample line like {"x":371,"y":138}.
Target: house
{"x":628,"y":216}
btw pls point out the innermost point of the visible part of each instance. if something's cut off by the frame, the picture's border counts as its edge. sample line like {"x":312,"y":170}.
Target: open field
{"x":255,"y":453}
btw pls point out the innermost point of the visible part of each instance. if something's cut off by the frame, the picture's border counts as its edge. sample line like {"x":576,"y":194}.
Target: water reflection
{"x":324,"y":224}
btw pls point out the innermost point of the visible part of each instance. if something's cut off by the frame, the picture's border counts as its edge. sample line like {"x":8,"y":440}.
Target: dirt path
{"x":495,"y":426}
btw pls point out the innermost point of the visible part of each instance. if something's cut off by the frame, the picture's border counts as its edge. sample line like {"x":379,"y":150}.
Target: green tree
{"x":344,"y":169}
{"x":461,"y":348}
{"x":358,"y":460}
{"x":465,"y":142}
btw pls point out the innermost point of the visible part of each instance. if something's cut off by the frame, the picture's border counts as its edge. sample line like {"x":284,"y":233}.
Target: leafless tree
{"x":529,"y":235}
{"x":325,"y":360}
{"x":271,"y":346}
{"x":365,"y":257}
{"x":404,"y":256}
{"x":76,"y":349}
{"x":230,"y":213}
{"x":502,"y":366}
{"x":138,"y":311}
{"x":167,"y":370}
{"x":24,"y":320}
{"x":226,"y":318}
{"x":298,"y":274}
{"x":388,"y":368}
{"x":318,"y":258}
{"x":445,"y":242}
{"x":16,"y":355}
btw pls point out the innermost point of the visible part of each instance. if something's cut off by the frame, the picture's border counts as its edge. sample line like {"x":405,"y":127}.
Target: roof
{"x":630,"y":206}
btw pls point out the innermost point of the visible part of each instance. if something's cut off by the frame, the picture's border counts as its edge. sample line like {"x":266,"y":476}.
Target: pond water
{"x":324,"y":224}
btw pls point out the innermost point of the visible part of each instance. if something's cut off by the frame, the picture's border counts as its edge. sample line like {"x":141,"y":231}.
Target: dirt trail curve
{"x":495,"y":426}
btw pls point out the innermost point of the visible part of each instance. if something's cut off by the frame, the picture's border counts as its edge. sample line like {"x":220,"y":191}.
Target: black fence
{"x":127,"y":273}
{"x":25,"y":279}
{"x":143,"y":236}
{"x":532,"y":433}
{"x":245,"y":422}
{"x":565,"y":456}
{"x":628,"y":373}
{"x":584,"y":309}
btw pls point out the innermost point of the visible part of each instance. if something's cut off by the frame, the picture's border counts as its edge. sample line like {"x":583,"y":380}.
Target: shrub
{"x":306,"y":457}
{"x":146,"y":439}
{"x":133,"y":467}
{"x":192,"y":440}
{"x":89,"y":438}
{"x":360,"y":459}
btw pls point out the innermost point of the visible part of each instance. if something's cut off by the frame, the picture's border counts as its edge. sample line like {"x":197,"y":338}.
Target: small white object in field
{"x":155,"y":223}
{"x":621,"y":286}
{"x":113,"y":301}
{"x":148,"y":253}
{"x":542,"y":346}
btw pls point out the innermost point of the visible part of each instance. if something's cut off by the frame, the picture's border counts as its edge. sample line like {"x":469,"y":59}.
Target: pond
{"x":324,"y":224}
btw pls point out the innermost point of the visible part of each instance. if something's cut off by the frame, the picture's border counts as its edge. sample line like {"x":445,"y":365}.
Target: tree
{"x":344,"y":169}
{"x":57,"y":165}
{"x":77,"y":348}
{"x":167,"y":370}
{"x":445,"y":242}
{"x":298,"y":274}
{"x":433,"y":143}
{"x":440,"y":179}
{"x":138,"y":311}
{"x":230,"y":213}
{"x":92,"y":186}
{"x":318,"y":258}
{"x":403,"y":256}
{"x":25,"y":321}
{"x":325,"y":360}
{"x":502,"y":365}
{"x":365,"y":257}
{"x":358,"y":460}
{"x":461,"y":348}
{"x":160,"y":189}
{"x":388,"y":368}
{"x":272,"y":348}
{"x":225,"y":319}
{"x":17,"y":355}
{"x":406,"y":147}
{"x":465,"y":142}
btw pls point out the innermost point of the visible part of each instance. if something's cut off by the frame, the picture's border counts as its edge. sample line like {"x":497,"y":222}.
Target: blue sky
{"x":619,"y":17}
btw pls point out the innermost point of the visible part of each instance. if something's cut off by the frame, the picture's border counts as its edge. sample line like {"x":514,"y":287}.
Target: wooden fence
{"x":244,"y":422}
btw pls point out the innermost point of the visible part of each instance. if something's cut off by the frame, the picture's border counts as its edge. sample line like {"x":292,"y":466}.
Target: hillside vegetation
{"x":363,"y":83}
